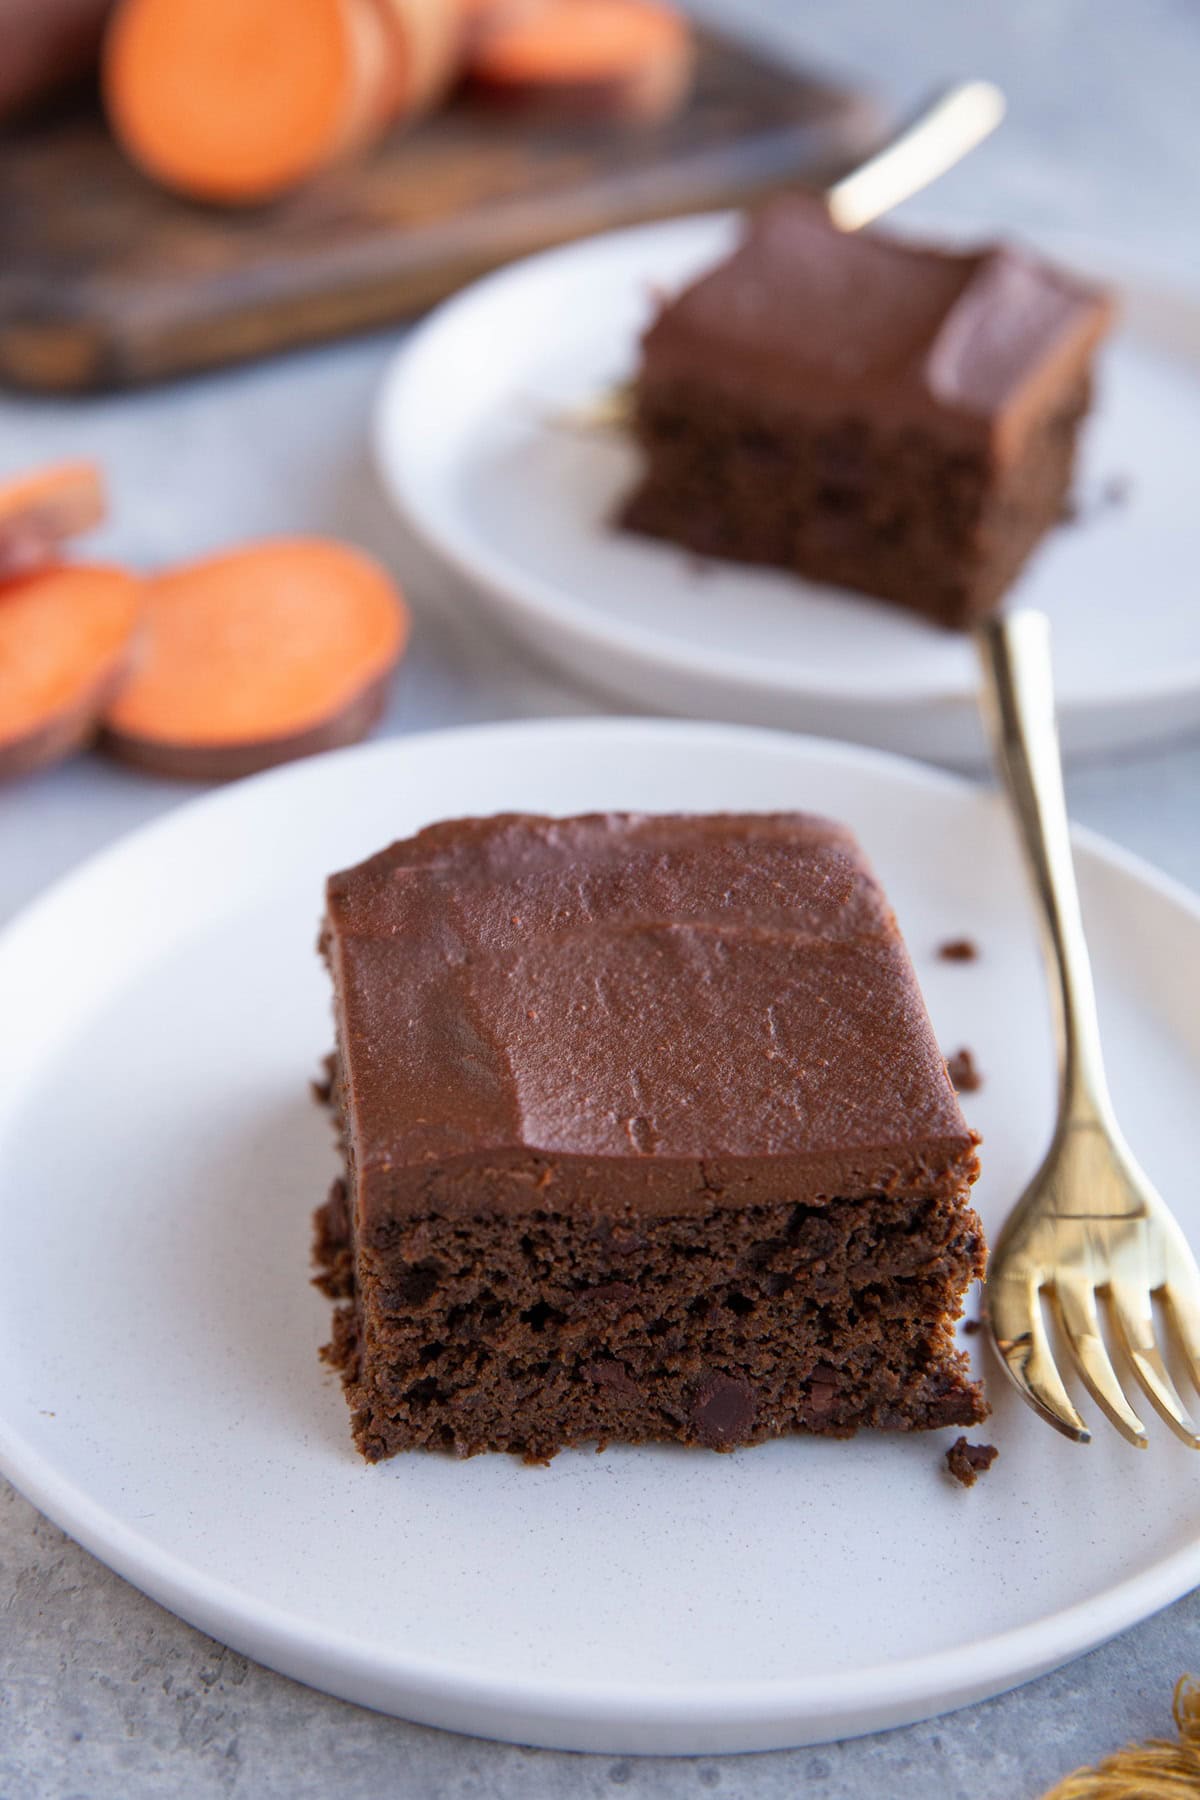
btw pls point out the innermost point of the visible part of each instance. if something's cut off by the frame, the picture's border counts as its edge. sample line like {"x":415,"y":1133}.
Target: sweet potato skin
{"x":230,"y":762}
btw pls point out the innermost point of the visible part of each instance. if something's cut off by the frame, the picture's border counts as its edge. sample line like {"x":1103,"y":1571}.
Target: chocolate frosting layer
{"x":654,"y":1013}
{"x":805,"y":316}
{"x":626,"y":1010}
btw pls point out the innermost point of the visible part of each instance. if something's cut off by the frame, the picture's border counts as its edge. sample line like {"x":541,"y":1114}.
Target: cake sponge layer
{"x":479,"y":1334}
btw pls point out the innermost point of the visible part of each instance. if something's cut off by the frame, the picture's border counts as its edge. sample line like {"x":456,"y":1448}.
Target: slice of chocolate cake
{"x":865,"y":411}
{"x":647,"y":1135}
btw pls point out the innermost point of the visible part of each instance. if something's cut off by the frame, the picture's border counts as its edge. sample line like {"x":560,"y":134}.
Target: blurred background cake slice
{"x":878,"y":414}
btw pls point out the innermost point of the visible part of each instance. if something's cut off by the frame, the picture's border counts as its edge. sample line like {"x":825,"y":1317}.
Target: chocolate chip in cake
{"x":822,"y":1392}
{"x":610,"y":1296}
{"x":722,"y":1411}
{"x":606,"y":1372}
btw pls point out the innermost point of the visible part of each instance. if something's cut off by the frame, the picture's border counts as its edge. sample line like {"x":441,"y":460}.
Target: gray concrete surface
{"x":104,"y":1695}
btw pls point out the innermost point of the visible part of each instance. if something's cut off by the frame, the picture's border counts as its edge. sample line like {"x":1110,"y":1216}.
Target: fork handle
{"x":931,"y":142}
{"x":1014,"y":650}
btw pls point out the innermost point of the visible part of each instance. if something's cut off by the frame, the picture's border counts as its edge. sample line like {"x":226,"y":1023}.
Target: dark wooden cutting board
{"x":105,"y":280}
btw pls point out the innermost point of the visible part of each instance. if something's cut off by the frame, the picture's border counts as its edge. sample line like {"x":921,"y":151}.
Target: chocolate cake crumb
{"x":971,"y":1326}
{"x":322,"y":1087}
{"x":967,"y":1462}
{"x":963,"y":1072}
{"x":333,"y":1256}
{"x":963,"y":949}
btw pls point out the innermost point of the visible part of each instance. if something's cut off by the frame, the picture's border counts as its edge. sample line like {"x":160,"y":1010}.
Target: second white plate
{"x":470,"y":450}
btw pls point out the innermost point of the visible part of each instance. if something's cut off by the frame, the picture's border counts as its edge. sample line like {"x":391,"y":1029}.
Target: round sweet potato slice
{"x":238,"y":102}
{"x":41,"y":510}
{"x":234,"y":102}
{"x":66,"y":635}
{"x":272,"y":651}
{"x":603,"y":59}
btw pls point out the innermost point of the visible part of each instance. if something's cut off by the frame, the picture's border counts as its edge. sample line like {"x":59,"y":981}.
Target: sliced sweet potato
{"x":479,"y":17}
{"x":236,"y":102}
{"x":39,"y":511}
{"x":628,"y":59}
{"x":66,"y":634}
{"x":424,"y":54}
{"x":230,"y":101}
{"x":276,"y":650}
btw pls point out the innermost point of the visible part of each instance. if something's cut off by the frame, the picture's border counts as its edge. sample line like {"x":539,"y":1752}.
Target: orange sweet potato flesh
{"x":233,"y":101}
{"x":629,"y":59}
{"x":276,"y":650}
{"x":237,"y":101}
{"x":66,"y":635}
{"x":480,"y":17}
{"x":39,"y":511}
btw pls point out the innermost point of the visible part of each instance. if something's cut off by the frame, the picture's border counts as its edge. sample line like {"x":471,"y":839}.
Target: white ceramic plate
{"x":470,"y":450}
{"x":160,"y":1393}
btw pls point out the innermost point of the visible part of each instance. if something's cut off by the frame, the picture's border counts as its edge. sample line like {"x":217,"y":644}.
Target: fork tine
{"x":1182,"y":1295}
{"x":1135,"y":1324}
{"x":1015,"y":1315}
{"x":1075,"y":1300}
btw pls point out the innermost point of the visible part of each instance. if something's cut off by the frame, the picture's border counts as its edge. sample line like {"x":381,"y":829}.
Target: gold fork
{"x":1089,"y":1233}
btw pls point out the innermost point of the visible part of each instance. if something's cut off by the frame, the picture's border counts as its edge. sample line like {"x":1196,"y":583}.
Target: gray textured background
{"x":104,"y":1695}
